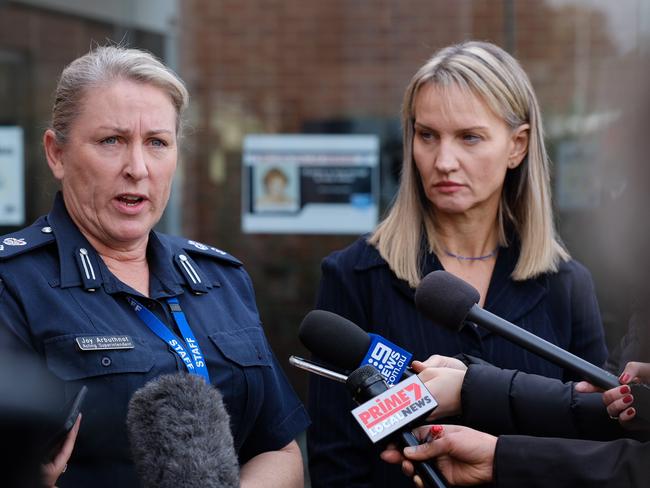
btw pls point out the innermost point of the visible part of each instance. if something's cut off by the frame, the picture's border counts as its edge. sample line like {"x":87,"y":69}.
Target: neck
{"x":128,"y":262}
{"x":465,"y":236}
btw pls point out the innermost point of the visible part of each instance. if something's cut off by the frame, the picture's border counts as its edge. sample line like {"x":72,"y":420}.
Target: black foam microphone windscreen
{"x":334,"y":339}
{"x":179,"y":432}
{"x":446,"y":297}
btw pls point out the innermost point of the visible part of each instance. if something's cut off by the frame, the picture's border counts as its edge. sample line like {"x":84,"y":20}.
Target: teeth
{"x":130,"y":200}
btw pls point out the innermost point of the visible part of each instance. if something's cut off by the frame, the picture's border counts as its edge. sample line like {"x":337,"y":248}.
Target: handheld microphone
{"x":388,"y":409}
{"x":342,"y":343}
{"x":345,"y":345}
{"x":449,"y":301}
{"x":179,"y":432}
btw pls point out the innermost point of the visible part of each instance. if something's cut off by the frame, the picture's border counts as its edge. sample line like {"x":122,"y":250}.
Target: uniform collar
{"x":81,"y":265}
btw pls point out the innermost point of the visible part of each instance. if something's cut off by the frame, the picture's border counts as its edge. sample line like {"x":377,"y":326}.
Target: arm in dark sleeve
{"x":587,"y":333}
{"x":339,"y":455}
{"x":502,"y":401}
{"x":282,"y":416}
{"x":537,"y":462}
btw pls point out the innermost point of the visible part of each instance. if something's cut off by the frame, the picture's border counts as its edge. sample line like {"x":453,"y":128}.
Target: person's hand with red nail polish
{"x":635,"y":372}
{"x":619,"y":401}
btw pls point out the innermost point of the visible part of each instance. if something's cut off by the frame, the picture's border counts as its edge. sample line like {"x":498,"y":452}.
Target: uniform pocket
{"x":68,"y":362}
{"x":245,"y":347}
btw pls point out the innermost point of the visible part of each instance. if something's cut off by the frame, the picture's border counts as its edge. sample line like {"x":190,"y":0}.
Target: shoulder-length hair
{"x":525,"y":208}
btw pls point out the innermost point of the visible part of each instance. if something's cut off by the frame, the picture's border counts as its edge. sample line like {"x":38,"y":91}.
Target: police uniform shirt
{"x":55,"y":291}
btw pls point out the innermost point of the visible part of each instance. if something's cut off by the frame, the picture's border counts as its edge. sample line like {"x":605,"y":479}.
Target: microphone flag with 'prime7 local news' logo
{"x":394,"y":409}
{"x":390,"y":360}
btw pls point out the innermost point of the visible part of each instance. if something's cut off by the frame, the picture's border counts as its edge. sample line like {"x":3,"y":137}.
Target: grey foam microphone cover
{"x":445,"y":298}
{"x":179,"y":433}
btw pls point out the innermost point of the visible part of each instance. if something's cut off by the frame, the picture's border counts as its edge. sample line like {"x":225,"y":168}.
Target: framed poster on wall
{"x":12,"y":168}
{"x":310,"y":184}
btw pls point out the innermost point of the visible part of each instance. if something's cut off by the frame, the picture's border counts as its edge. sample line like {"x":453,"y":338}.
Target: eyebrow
{"x":122,"y":131}
{"x":463,"y":129}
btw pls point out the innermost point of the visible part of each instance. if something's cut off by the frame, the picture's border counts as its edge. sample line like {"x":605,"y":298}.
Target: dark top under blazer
{"x":48,"y":299}
{"x":358,"y":284}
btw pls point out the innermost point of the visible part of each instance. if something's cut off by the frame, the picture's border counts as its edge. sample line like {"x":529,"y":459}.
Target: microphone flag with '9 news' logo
{"x":390,"y":360}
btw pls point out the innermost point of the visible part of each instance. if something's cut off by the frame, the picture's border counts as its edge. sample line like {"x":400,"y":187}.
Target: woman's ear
{"x":520,"y":138}
{"x":54,"y":154}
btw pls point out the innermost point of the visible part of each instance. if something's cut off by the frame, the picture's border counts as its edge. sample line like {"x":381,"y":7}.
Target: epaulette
{"x":37,"y":235}
{"x":205,"y":250}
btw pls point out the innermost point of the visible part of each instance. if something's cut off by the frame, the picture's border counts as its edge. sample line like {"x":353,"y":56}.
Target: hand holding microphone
{"x":464,"y":456}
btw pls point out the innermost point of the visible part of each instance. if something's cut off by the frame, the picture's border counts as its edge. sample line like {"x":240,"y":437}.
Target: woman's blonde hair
{"x":105,"y":64}
{"x":525,"y":208}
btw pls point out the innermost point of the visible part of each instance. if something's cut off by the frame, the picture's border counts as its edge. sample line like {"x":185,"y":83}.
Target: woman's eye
{"x":158,"y":143}
{"x":425,"y":135}
{"x":110,"y":141}
{"x":471,"y":138}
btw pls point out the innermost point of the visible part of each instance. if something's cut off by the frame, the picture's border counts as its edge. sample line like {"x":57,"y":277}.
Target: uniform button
{"x":46,"y":230}
{"x":106,"y":361}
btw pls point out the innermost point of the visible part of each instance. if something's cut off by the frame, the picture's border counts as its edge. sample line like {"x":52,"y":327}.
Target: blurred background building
{"x":336,"y":67}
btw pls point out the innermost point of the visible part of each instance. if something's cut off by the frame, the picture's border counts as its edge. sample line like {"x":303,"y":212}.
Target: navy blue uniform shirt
{"x":55,"y":288}
{"x":358,"y":284}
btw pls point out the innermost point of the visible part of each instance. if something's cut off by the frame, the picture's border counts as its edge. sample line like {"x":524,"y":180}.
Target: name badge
{"x":95,"y":343}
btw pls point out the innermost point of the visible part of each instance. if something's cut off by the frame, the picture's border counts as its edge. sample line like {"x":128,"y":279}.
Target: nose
{"x":446,"y":159}
{"x":136,"y":167}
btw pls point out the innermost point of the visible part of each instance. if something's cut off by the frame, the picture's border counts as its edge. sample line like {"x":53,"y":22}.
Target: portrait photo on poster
{"x":276,"y":188}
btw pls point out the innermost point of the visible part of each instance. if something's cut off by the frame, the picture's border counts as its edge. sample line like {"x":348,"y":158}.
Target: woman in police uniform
{"x":103,"y":298}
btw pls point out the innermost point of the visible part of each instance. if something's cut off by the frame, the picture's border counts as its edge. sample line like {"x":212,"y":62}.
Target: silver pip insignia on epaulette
{"x":189,"y":270}
{"x":86,"y":269}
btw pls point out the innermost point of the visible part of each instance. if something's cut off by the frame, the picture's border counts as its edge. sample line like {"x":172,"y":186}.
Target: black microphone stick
{"x":344,"y":344}
{"x":366,"y":383}
{"x":449,"y":301}
{"x":336,"y":340}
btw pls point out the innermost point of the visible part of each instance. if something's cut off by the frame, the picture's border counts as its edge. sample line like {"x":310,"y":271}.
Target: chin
{"x":131,"y":233}
{"x":451,"y":207}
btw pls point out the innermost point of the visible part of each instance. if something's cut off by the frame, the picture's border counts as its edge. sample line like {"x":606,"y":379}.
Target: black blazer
{"x":358,"y":284}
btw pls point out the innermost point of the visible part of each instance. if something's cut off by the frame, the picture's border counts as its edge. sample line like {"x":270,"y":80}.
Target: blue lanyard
{"x":194,"y":361}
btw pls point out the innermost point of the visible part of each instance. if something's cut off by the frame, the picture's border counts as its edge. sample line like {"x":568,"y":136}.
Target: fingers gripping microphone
{"x":449,"y":301}
{"x":179,"y":432}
